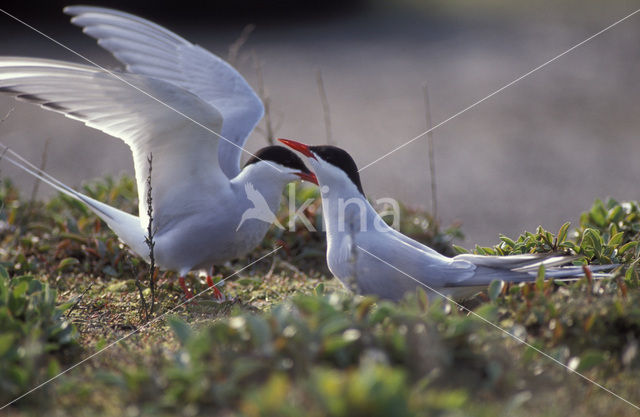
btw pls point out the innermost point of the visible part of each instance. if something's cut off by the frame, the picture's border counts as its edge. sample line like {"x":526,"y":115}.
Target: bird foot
{"x":187,"y":292}
{"x":220,"y":297}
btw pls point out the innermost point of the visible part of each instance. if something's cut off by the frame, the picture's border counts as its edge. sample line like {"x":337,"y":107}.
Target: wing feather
{"x":185,"y":163}
{"x":151,"y":50}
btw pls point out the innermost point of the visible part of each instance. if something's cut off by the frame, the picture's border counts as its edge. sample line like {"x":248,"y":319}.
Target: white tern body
{"x":371,"y":257}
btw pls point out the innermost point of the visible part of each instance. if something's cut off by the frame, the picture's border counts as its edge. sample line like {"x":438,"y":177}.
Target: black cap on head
{"x":279,"y":155}
{"x":341,"y":159}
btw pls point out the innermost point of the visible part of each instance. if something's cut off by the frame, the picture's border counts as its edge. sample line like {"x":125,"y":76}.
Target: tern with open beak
{"x":187,"y":110}
{"x":363,"y":251}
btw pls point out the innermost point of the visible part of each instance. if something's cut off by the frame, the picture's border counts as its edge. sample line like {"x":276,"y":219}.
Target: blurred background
{"x":538,"y":153}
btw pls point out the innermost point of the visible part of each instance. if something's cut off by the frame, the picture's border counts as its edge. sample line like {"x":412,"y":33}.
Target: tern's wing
{"x":185,"y":165}
{"x":406,"y":239}
{"x":389,"y":266}
{"x":149,"y":49}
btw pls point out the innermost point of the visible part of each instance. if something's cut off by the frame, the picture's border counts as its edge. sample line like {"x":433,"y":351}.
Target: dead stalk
{"x":80,"y":297}
{"x":6,"y":148}
{"x":149,"y":238}
{"x":234,"y":48}
{"x":6,"y":116}
{"x":43,"y":165}
{"x":325,"y":107}
{"x":4,"y":151}
{"x":432,"y":162}
{"x":266,"y":101}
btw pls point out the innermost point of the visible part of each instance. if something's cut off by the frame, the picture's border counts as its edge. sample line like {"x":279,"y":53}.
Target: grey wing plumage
{"x":122,"y":108}
{"x":151,"y":50}
{"x":522,"y":268}
{"x":389,"y":266}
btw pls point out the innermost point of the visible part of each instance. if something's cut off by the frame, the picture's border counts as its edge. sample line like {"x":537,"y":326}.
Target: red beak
{"x":311,"y":177}
{"x":300,"y":147}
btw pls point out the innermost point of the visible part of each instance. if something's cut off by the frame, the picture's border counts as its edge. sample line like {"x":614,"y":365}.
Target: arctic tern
{"x":198,"y":185}
{"x":363,"y":251}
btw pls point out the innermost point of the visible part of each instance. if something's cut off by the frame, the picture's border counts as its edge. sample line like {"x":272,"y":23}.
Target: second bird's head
{"x":287,"y":164}
{"x":333,"y":166}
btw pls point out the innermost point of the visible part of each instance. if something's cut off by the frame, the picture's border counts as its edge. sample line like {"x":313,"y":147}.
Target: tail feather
{"x":520,"y":263}
{"x":125,"y":225}
{"x":484,"y":275}
{"x":30,"y":168}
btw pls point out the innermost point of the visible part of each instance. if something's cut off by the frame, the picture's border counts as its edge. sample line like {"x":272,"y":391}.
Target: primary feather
{"x":130,"y":108}
{"x":148,"y":49}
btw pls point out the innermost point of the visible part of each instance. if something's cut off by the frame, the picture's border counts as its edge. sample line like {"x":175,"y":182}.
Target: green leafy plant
{"x":607,"y":234}
{"x":34,"y":334}
{"x":378,"y":355}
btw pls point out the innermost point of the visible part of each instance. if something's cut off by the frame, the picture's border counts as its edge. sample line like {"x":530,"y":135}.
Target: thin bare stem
{"x":43,"y":165}
{"x":80,"y":297}
{"x":6,"y":116}
{"x":266,"y":101}
{"x":144,"y":312}
{"x":4,"y":151}
{"x":149,"y":238}
{"x":234,"y":48}
{"x":432,"y":161}
{"x":325,"y":107}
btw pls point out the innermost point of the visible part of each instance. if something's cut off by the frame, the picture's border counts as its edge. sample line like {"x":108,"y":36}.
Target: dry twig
{"x":266,"y":101}
{"x":432,"y":162}
{"x":234,"y":48}
{"x":325,"y":107}
{"x":43,"y":164}
{"x":149,"y":238}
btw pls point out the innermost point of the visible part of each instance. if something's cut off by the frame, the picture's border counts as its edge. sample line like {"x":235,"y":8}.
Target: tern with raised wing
{"x":187,"y":111}
{"x":368,"y":255}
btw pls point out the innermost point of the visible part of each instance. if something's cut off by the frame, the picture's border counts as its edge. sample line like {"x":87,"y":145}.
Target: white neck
{"x":267,"y":180}
{"x":345,"y":210}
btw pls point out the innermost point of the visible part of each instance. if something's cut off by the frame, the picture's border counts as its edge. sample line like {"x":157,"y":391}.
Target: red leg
{"x":187,"y":292}
{"x":216,"y":291}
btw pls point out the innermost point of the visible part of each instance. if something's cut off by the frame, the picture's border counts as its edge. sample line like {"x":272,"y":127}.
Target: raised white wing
{"x":149,"y":49}
{"x":185,"y":163}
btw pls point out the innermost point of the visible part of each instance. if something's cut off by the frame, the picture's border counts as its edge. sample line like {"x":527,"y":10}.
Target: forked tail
{"x":125,"y":225}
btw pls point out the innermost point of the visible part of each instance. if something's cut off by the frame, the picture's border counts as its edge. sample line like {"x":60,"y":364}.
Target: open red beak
{"x":311,"y":177}
{"x":300,"y":147}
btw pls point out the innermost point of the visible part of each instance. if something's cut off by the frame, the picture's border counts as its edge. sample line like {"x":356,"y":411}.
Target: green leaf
{"x":562,"y":233}
{"x":627,"y":246}
{"x":508,"y":241}
{"x":495,"y":289}
{"x":593,"y":239}
{"x":616,"y":239}
{"x":20,"y":289}
{"x":615,"y":214}
{"x":259,"y":330}
{"x":459,"y":249}
{"x":423,"y":299}
{"x":4,"y":275}
{"x":629,"y":274}
{"x":590,"y":359}
{"x":6,"y":341}
{"x":540,"y":278}
{"x":53,"y":368}
{"x":180,"y":328}
{"x":67,"y":262}
{"x":598,"y":213}
{"x":488,"y":311}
